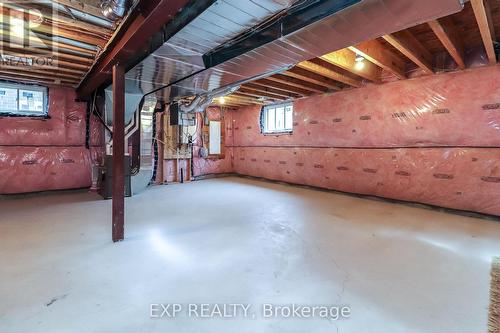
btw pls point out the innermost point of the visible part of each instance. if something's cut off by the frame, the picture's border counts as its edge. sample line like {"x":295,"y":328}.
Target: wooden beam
{"x":237,"y":100}
{"x":346,"y":59}
{"x":407,"y":44}
{"x":283,"y":87}
{"x":118,"y":181}
{"x":328,"y":72}
{"x":258,"y":87}
{"x":71,"y":65}
{"x":34,"y":76}
{"x":448,"y":35}
{"x":40,"y":40}
{"x":63,"y":19}
{"x":243,"y":99}
{"x":483,"y":18}
{"x":294,"y":82}
{"x":375,"y":52}
{"x":31,"y":80}
{"x":255,"y":96}
{"x":305,"y":75}
{"x":41,"y":73}
{"x":52,"y":28}
{"x":75,"y":73}
{"x":132,"y":37}
{"x":256,"y":93}
{"x":29,"y":52}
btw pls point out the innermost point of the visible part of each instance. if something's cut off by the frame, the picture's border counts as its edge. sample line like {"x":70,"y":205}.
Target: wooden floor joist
{"x":447,"y":33}
{"x":408,"y":45}
{"x":346,"y":59}
{"x":486,"y":28}
{"x":294,"y":82}
{"x":305,"y":75}
{"x":375,"y":52}
{"x":315,"y":67}
{"x":283,"y":87}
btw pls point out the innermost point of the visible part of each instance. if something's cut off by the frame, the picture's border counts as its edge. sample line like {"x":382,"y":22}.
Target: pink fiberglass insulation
{"x":459,"y":109}
{"x":213,"y":165}
{"x":65,"y":127}
{"x":433,"y":140}
{"x":460,"y":178}
{"x":48,"y":154}
{"x":30,"y":169}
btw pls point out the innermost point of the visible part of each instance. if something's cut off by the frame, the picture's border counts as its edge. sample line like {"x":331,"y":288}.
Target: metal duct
{"x":191,"y":106}
{"x":201,"y":102}
{"x":114,"y":9}
{"x":205,"y":55}
{"x":213,"y":95}
{"x":235,"y":41}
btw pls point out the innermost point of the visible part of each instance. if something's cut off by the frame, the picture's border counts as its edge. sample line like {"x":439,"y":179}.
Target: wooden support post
{"x":118,"y":152}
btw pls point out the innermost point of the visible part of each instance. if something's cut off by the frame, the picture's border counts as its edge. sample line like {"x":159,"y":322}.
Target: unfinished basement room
{"x":253,"y":166}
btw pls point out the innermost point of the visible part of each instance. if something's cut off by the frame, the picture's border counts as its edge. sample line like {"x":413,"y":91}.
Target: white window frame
{"x":29,"y":88}
{"x":270,"y":115}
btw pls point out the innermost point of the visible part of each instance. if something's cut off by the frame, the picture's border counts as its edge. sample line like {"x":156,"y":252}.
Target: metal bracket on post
{"x":118,"y":215}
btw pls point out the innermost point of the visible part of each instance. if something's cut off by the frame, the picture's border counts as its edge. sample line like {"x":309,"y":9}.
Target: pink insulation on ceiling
{"x":48,"y":154}
{"x":433,"y":140}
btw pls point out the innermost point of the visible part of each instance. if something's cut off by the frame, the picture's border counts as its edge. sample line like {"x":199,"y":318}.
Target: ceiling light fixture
{"x":360,"y":62}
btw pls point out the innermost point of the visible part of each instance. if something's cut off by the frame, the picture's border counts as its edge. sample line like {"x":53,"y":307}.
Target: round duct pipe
{"x":201,"y":102}
{"x":114,"y":9}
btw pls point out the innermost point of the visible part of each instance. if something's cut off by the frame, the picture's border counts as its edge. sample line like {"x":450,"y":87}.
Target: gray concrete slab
{"x":233,"y":240}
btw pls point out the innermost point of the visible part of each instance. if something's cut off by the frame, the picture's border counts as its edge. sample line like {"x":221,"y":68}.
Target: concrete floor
{"x":232,"y":240}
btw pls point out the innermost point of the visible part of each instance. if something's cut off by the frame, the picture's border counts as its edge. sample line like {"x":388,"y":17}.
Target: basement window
{"x":277,"y":118}
{"x":23,"y":100}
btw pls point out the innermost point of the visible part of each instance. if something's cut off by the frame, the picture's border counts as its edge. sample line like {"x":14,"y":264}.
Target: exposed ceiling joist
{"x":238,"y":100}
{"x":329,"y":73}
{"x":30,"y":75}
{"x":346,"y":59}
{"x":294,"y":82}
{"x":305,"y":75}
{"x":64,"y":20}
{"x":258,"y":87}
{"x":40,"y":72}
{"x":145,"y":20}
{"x":257,"y":93}
{"x":408,"y":45}
{"x":483,"y":18}
{"x":375,"y":52}
{"x":447,"y":33}
{"x":32,"y":53}
{"x":283,"y":87}
{"x":52,"y":28}
{"x":243,"y":98}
